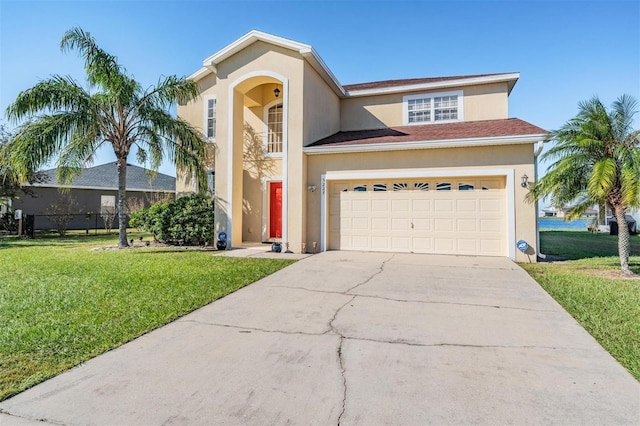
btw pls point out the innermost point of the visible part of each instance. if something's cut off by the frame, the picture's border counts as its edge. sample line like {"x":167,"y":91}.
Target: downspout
{"x":536,"y":153}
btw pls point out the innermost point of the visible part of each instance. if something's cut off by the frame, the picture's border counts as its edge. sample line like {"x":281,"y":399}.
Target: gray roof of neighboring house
{"x":105,"y":176}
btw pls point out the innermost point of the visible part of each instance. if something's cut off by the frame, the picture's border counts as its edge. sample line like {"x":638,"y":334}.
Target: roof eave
{"x":210,"y":64}
{"x":510,"y":78}
{"x":101,"y":188}
{"x":428,"y":144}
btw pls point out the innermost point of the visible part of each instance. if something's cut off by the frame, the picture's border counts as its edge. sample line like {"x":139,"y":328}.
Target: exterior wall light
{"x":312,"y":188}
{"x":525,"y":180}
{"x":276,"y":92}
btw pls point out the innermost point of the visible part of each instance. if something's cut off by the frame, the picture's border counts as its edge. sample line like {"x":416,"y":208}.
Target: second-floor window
{"x":274,"y":129}
{"x":210,"y":118}
{"x":433,"y":108}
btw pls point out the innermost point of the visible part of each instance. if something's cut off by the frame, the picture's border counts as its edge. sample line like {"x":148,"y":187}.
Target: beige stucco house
{"x":429,"y":165}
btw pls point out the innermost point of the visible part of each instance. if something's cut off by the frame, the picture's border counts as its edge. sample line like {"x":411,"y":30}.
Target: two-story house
{"x":428,"y":165}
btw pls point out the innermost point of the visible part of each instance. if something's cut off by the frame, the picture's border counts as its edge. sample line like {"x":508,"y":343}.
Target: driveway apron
{"x":354,"y":338}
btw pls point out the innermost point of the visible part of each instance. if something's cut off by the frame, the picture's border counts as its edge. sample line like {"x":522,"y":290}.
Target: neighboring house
{"x":554,"y":212}
{"x":425,"y":165}
{"x":94,"y":191}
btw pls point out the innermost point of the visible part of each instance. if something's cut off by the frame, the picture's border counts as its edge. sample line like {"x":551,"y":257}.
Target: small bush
{"x":108,"y":215}
{"x":61,"y":212}
{"x":187,"y":219}
{"x":137,"y":219}
{"x":8,"y":222}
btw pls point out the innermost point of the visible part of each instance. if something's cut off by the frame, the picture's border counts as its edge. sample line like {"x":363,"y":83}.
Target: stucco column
{"x":236,"y":165}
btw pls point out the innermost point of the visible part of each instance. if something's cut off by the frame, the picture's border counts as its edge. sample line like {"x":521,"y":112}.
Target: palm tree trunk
{"x":623,"y":240}
{"x":122,"y":188}
{"x":602,"y":214}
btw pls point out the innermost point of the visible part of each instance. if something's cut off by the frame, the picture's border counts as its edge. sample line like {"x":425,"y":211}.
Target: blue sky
{"x":566,"y":51}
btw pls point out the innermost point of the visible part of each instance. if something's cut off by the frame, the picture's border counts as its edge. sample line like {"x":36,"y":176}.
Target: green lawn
{"x":589,"y":286}
{"x":62,"y":303}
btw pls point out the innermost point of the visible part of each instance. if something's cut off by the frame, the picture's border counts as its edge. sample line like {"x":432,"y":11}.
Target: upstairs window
{"x":445,"y":108}
{"x":210,"y":118}
{"x":274,"y":129}
{"x":432,"y":108}
{"x":419,"y":110}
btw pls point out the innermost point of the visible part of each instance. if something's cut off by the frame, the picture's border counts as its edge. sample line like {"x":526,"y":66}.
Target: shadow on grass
{"x":54,"y":240}
{"x":164,"y":250}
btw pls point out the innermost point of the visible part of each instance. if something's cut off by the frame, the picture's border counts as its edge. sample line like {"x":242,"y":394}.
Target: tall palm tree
{"x":66,"y":120}
{"x":596,"y":161}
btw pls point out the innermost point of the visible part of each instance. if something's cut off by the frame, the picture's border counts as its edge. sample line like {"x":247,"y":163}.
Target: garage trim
{"x":509,"y":174}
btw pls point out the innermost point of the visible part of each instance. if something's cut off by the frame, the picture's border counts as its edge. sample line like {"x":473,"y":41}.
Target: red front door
{"x":275,"y":210}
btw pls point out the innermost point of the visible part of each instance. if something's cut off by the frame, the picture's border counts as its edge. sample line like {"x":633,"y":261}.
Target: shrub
{"x":61,"y":212}
{"x":187,"y":219}
{"x":8,"y":222}
{"x":108,"y":215}
{"x":137,"y":219}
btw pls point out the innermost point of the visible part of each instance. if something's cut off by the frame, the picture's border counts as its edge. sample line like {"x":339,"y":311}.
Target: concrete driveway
{"x":354,"y":338}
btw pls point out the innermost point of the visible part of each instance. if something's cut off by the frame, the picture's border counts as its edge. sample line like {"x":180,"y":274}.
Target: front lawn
{"x":590,"y":288}
{"x":62,"y":303}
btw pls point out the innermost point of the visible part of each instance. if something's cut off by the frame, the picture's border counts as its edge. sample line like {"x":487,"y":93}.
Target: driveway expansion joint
{"x":263,"y":330}
{"x":33,"y":419}
{"x":429,"y":302}
{"x":438,"y":302}
{"x":459,"y":345}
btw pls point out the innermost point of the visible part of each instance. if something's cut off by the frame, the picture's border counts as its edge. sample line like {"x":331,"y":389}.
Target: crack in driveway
{"x":428,"y":302}
{"x":380,"y":270}
{"x":343,"y":372}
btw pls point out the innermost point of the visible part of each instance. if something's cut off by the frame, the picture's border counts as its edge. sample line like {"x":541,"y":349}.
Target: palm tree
{"x":66,"y":120}
{"x":596,"y":161}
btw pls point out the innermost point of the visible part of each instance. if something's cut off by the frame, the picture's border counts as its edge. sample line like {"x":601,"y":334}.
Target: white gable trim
{"x":437,"y":85}
{"x":210,"y":64}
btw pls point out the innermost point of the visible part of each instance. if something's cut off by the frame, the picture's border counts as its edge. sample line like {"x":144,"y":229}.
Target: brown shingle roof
{"x":408,"y":82}
{"x":434,"y":132}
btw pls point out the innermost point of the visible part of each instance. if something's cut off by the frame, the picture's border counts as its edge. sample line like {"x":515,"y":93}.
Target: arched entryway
{"x":257,"y":158}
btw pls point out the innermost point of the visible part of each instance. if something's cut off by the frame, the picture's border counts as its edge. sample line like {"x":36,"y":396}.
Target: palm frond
{"x":101,"y":67}
{"x":622,"y":112}
{"x":603,"y":178}
{"x":38,"y":141}
{"x":580,"y":205}
{"x":54,"y":94}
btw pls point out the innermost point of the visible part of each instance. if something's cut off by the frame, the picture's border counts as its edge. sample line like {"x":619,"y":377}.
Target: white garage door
{"x":447,"y":215}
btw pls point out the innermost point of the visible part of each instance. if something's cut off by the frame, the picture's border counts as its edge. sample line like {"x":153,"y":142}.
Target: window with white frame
{"x":432,"y":108}
{"x":274,"y":129}
{"x":210,"y":117}
{"x":107,"y":203}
